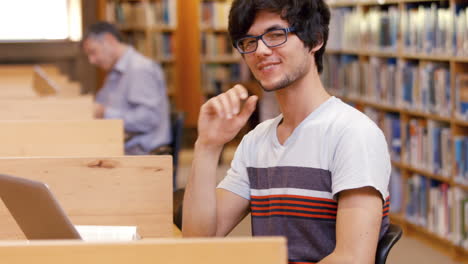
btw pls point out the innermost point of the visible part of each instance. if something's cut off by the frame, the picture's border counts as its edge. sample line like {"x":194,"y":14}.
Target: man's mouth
{"x":265,"y":66}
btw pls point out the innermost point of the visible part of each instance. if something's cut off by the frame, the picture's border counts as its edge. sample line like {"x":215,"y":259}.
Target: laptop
{"x":35,"y":209}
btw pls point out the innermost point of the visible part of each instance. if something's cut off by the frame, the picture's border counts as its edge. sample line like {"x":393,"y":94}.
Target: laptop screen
{"x":35,"y":209}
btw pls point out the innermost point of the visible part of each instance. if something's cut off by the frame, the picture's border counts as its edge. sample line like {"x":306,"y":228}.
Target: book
{"x":396,"y":192}
{"x":464,"y":222}
{"x":107,"y":233}
{"x":461,"y":96}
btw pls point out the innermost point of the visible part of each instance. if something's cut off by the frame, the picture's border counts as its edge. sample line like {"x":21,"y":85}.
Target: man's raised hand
{"x":222,"y":117}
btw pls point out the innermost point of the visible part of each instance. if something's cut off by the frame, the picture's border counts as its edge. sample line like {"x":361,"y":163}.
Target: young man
{"x":134,"y":90}
{"x":317,"y":174}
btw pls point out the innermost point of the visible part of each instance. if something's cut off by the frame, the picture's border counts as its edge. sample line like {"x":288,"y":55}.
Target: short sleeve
{"x":361,"y":159}
{"x":236,"y":179}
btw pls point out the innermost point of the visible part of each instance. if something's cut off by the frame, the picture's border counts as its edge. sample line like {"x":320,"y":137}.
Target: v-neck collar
{"x":291,"y":137}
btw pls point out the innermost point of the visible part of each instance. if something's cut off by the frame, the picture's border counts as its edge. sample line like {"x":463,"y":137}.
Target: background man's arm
{"x":146,"y":99}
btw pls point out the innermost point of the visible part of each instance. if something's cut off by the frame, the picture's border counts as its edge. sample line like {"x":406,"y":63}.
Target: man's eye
{"x":275,"y":35}
{"x":247,"y":43}
{"x":250,"y":43}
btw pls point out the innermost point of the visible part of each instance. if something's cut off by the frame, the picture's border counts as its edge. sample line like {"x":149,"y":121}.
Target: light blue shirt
{"x":135,"y":91}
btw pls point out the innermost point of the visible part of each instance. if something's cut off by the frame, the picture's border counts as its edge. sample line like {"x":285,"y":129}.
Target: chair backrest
{"x":177,"y":123}
{"x":177,"y":205}
{"x":389,"y":239}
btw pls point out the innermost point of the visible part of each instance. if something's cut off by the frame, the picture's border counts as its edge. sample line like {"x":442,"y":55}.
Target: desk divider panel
{"x":47,"y":108}
{"x":126,"y":190}
{"x":61,"y":138}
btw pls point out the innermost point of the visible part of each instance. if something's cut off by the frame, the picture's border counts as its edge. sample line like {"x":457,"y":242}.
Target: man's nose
{"x":262,"y":48}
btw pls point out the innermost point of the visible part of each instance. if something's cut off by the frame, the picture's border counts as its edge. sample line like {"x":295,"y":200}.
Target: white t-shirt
{"x":335,"y":137}
{"x":292,"y":187}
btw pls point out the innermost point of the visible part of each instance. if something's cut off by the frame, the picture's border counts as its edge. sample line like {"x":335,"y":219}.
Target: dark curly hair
{"x":310,"y":18}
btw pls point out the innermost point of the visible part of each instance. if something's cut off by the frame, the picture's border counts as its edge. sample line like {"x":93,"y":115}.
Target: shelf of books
{"x":149,"y":26}
{"x":221,"y":63}
{"x":405,"y":64}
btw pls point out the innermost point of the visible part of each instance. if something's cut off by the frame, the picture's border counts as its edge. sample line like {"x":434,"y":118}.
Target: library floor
{"x":406,"y":251}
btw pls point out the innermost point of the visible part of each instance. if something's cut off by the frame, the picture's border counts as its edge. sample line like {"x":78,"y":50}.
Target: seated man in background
{"x":134,"y":90}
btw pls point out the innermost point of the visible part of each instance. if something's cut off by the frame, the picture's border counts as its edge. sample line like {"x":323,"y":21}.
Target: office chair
{"x":177,"y":126}
{"x":389,"y":239}
{"x":177,"y":202}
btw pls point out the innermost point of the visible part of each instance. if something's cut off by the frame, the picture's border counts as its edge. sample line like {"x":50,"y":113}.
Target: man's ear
{"x":317,"y":47}
{"x":109,"y":38}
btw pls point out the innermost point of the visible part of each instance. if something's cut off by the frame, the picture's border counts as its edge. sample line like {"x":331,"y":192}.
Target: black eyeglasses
{"x":271,"y":38}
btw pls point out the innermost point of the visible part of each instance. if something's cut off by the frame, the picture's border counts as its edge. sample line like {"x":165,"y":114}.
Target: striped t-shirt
{"x":292,"y":187}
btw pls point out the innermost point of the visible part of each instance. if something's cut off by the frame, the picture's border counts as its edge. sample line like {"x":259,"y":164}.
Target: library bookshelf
{"x":405,"y":64}
{"x":149,"y":26}
{"x":221,"y":64}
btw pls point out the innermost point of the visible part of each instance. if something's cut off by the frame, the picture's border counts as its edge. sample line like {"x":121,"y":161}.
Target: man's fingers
{"x":214,"y":106}
{"x":237,"y":94}
{"x":249,"y":107}
{"x":235,"y":100}
{"x":226,"y":104}
{"x":240,"y":91}
{"x":232,"y":100}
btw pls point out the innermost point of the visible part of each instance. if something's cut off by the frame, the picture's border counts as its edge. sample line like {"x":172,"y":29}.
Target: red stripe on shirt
{"x":294,"y":202}
{"x":294,"y":214}
{"x":294,"y":208}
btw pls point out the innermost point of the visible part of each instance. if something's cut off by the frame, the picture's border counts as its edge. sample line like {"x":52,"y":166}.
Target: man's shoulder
{"x":346,"y":118}
{"x":141,"y":63}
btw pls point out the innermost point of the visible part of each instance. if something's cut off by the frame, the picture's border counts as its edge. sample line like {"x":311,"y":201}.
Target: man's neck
{"x":120,"y":50}
{"x":300,"y":99}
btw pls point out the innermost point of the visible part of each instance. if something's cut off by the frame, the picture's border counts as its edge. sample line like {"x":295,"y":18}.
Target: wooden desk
{"x":16,"y":85}
{"x":126,"y":190}
{"x":22,"y":81}
{"x":61,"y":138}
{"x":176,"y":232}
{"x":266,"y":250}
{"x":73,"y":108}
{"x":46,"y":83}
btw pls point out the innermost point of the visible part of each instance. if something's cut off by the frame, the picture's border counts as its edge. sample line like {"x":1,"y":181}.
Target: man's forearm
{"x":199,"y":211}
{"x":335,"y":258}
{"x":346,"y":256}
{"x":141,"y":119}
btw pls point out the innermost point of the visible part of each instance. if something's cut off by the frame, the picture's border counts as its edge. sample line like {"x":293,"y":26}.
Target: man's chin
{"x":271,"y":87}
{"x":268,"y":88}
{"x":105,"y":67}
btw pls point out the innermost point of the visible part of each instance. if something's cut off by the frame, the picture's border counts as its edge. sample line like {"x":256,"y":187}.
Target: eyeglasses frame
{"x":286,"y":31}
